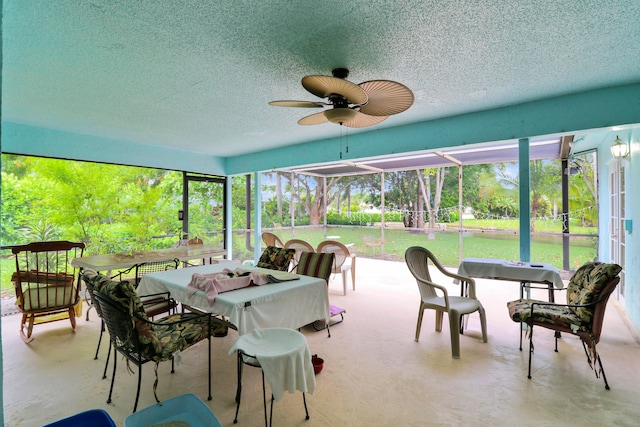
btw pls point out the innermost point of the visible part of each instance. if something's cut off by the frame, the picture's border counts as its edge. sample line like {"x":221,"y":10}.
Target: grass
{"x":444,"y":244}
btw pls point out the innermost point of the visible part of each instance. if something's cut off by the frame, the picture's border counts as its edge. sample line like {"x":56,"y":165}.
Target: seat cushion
{"x":276,"y":258}
{"x":586,"y":285}
{"x":547,"y":314}
{"x":177,"y":337}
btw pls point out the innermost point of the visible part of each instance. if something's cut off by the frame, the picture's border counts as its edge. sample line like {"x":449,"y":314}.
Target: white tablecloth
{"x":284,"y":356}
{"x":291,"y":304}
{"x":516,"y":271}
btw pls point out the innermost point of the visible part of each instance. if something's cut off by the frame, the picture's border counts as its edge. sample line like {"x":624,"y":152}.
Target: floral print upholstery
{"x":276,"y":258}
{"x":586,"y":285}
{"x":156,"y":341}
{"x":584,"y":288}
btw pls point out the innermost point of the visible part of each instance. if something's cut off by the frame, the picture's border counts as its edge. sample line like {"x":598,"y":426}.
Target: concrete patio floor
{"x":374,"y":373}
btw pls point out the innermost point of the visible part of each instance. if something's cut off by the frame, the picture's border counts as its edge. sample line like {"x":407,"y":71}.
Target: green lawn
{"x":445,"y":245}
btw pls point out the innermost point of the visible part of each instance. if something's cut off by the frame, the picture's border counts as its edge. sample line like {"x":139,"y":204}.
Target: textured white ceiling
{"x":197,"y":75}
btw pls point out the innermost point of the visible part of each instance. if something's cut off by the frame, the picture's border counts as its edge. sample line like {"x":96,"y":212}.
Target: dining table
{"x":293,"y":302}
{"x":108,"y":262}
{"x":514,"y":271}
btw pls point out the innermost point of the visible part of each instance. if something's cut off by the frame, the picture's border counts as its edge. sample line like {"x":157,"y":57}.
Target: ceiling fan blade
{"x":313,"y":119}
{"x":300,"y":104}
{"x":386,"y":97}
{"x":364,"y":120}
{"x":324,"y":86}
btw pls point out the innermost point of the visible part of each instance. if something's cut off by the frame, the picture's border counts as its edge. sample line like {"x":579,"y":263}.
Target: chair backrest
{"x":124,"y":315}
{"x":316,"y":264}
{"x":92,"y":280}
{"x":154,"y":267}
{"x":276,"y":258}
{"x":340,"y":251}
{"x":372,"y":242}
{"x":271,"y":239}
{"x":592,"y":284}
{"x":299,"y":246}
{"x":44,"y":279}
{"x":417,"y":259}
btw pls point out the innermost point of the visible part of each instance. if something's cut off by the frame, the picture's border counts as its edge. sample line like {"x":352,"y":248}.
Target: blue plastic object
{"x":186,"y":407}
{"x":92,"y":417}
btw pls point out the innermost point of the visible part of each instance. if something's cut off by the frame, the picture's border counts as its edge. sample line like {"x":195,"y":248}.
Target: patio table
{"x":290,"y":304}
{"x":108,"y":262}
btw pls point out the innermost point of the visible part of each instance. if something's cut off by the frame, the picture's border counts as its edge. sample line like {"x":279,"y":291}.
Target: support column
{"x":525,"y":200}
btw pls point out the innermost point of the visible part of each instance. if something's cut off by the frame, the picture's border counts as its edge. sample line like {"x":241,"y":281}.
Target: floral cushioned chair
{"x":587,"y":295}
{"x":141,"y":340}
{"x":276,"y":258}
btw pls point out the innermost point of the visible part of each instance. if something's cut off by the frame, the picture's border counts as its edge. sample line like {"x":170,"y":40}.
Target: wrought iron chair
{"x":583,"y":314}
{"x":436,"y":297}
{"x":345,"y":261}
{"x":46,"y":284}
{"x":141,"y":340}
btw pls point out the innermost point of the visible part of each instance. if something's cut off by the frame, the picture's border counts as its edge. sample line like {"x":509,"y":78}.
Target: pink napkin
{"x":227,"y":280}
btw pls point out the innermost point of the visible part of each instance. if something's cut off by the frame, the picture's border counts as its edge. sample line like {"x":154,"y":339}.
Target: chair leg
{"x":604,"y":377}
{"x":113,"y":375}
{"x":530,"y":349}
{"x":135,"y":405}
{"x":264,"y":400}
{"x":419,"y":325}
{"x":106,"y":363}
{"x":454,"y":329}
{"x":239,"y":389}
{"x":209,"y":356}
{"x":344,"y":282}
{"x":99,"y":339}
{"x":439,"y":317}
{"x":483,"y":324}
{"x":306,"y":411}
{"x":353,"y":273}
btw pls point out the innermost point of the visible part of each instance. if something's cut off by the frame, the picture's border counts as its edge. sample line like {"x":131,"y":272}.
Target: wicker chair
{"x":45,"y":283}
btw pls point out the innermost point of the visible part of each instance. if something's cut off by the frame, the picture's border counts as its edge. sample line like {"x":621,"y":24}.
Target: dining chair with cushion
{"x":320,"y":265}
{"x":141,"y":340}
{"x":299,"y":246}
{"x":271,"y":239}
{"x":436,"y":297}
{"x":46,"y":283}
{"x":582,"y":315}
{"x":344,"y":262}
{"x":276,"y":258}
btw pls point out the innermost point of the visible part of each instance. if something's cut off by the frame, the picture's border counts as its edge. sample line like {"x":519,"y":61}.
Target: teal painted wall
{"x":31,"y":140}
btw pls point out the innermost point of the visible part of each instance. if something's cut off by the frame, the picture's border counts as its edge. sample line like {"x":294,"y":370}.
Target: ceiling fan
{"x":353,"y":105}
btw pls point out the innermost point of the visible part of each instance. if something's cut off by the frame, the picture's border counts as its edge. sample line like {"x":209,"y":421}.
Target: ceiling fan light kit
{"x":357,"y":106}
{"x":340,"y":115}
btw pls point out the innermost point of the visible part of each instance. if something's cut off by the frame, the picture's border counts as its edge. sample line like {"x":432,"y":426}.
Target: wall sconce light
{"x":619,"y":149}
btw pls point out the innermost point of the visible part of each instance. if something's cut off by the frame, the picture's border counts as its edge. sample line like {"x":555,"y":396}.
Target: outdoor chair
{"x":372,"y":243}
{"x":583,"y":314}
{"x":271,"y":239}
{"x":156,"y":305}
{"x":141,"y":340}
{"x":299,"y":246}
{"x":153,"y":305}
{"x":320,"y":265}
{"x":344,"y":261}
{"x":46,"y":284}
{"x":436,"y":297}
